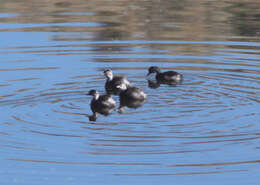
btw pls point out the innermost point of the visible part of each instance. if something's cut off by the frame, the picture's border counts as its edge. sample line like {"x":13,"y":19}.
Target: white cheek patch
{"x":96,"y":96}
{"x":110,"y":76}
{"x":151,"y":77}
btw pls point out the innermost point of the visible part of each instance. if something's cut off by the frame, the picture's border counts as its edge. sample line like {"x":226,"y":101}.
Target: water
{"x":201,"y":132}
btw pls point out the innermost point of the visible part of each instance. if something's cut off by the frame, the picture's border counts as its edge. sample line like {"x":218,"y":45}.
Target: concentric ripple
{"x":213,"y":108}
{"x":208,"y":125}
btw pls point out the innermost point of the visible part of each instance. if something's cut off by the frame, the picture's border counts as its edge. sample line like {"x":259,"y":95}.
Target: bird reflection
{"x":130,"y":104}
{"x":103,"y":104}
{"x":132,"y":97}
{"x":154,"y":84}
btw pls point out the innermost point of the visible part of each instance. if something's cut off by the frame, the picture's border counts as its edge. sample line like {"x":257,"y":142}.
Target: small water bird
{"x":102,"y":104}
{"x":132,"y":97}
{"x":115,"y":84}
{"x":168,"y":77}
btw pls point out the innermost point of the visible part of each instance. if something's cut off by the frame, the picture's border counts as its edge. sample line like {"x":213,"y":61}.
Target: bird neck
{"x":96,"y":96}
{"x":110,"y":77}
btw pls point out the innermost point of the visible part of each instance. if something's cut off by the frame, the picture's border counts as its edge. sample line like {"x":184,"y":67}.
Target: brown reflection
{"x":23,"y":148}
{"x":219,"y":141}
{"x":126,"y":141}
{"x":7,"y":95}
{"x":126,"y":145}
{"x":245,"y":17}
{"x":4,"y":133}
{"x":55,"y":134}
{"x":84,"y":163}
{"x":4,"y":85}
{"x":184,"y":173}
{"x":32,"y":123}
{"x":29,"y":69}
{"x":71,"y":106}
{"x":23,"y":89}
{"x":216,"y":164}
{"x":23,"y":79}
{"x":147,"y":152}
{"x":70,"y":113}
{"x":153,"y":20}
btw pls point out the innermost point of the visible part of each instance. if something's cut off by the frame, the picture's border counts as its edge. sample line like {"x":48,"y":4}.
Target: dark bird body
{"x":115,"y":84}
{"x":133,"y":93}
{"x":103,"y":104}
{"x":168,"y":77}
{"x":132,"y":97}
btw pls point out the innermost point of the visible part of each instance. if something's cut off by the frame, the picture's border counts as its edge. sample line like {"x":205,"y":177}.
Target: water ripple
{"x":186,"y":130}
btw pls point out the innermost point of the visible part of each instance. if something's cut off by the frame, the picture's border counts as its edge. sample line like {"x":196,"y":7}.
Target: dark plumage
{"x":103,"y":104}
{"x":132,"y":97}
{"x":115,"y":84}
{"x":168,"y":77}
{"x":133,"y":93}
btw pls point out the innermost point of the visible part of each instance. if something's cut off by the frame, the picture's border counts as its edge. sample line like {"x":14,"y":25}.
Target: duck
{"x":115,"y":84}
{"x":132,"y":97}
{"x":102,"y":104}
{"x":168,"y":77}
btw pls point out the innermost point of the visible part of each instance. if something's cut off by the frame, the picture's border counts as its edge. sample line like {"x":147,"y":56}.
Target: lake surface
{"x":203,"y":131}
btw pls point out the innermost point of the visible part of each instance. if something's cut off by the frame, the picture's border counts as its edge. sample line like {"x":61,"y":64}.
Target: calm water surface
{"x":204,"y":131}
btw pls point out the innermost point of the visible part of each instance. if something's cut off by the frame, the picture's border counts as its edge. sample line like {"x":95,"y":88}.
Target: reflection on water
{"x":154,"y":84}
{"x":205,"y":129}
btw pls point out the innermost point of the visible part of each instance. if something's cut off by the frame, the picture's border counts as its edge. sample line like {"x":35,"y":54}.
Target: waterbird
{"x":115,"y":84}
{"x":132,"y":97}
{"x":102,"y":104}
{"x":168,"y":77}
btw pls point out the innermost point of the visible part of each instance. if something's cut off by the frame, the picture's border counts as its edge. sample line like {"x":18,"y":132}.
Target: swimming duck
{"x":103,"y":104}
{"x":115,"y":84}
{"x":168,"y":77}
{"x":132,"y":97}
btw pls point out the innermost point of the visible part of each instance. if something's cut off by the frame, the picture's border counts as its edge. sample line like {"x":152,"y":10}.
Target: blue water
{"x":203,"y":131}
